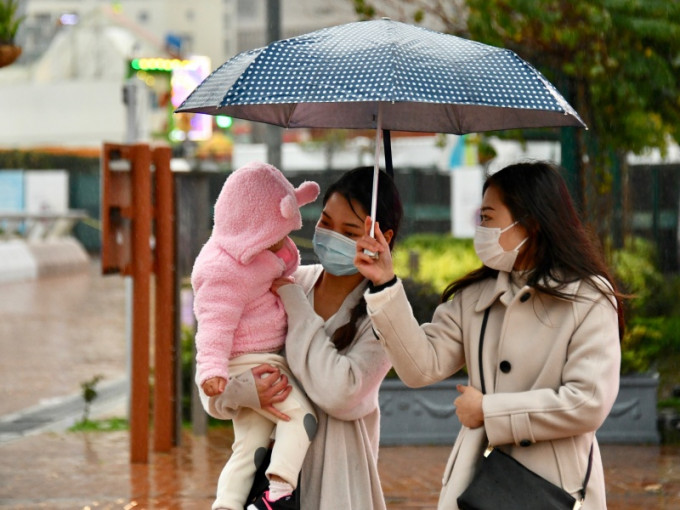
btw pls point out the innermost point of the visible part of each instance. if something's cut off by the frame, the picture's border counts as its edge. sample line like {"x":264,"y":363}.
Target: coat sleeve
{"x":219,"y":301}
{"x":240,"y":392}
{"x":421,"y":355}
{"x":590,"y":383}
{"x":343,"y":384}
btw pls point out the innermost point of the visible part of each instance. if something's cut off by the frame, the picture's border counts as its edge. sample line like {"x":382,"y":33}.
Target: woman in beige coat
{"x":551,"y":352}
{"x":332,"y":352}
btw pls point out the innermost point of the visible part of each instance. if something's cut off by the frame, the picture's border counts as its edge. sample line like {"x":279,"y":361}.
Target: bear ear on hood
{"x":306,"y":193}
{"x":289,"y":207}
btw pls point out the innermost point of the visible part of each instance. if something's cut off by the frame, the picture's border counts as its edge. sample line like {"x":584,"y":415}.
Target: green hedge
{"x":435,"y":259}
{"x":652,"y":340}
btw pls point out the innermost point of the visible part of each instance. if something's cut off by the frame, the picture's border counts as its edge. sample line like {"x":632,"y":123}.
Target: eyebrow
{"x":345,"y":224}
{"x":487,"y":208}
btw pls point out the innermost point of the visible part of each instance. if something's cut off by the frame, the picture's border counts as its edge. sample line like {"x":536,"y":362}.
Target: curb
{"x":27,"y":260}
{"x":58,"y":414}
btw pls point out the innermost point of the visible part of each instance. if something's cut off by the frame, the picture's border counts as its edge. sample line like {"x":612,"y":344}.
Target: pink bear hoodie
{"x":236,"y":311}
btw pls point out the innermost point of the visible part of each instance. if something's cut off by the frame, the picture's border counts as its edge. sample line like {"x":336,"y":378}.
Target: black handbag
{"x":503,"y":483}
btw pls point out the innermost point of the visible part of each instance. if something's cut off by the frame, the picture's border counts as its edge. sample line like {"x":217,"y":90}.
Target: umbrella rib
{"x":291,"y":111}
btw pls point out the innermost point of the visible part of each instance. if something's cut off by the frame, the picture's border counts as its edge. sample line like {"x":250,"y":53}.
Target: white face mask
{"x":489,"y":249}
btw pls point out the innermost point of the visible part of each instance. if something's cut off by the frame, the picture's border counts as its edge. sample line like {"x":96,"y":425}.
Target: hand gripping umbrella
{"x":383,"y":75}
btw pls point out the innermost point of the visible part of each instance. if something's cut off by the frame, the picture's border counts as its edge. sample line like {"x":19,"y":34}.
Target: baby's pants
{"x":253,"y":432}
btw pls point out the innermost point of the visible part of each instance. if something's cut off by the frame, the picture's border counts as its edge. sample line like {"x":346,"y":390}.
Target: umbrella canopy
{"x":383,"y":75}
{"x":416,"y":79}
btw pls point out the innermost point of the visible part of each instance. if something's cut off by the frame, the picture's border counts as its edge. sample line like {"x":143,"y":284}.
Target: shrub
{"x":435,"y":259}
{"x":423,"y":299}
{"x":187,"y":361}
{"x":651,"y":343}
{"x":653,"y":294}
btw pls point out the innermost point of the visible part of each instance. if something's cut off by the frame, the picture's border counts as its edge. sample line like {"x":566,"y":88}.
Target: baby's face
{"x":277,"y":246}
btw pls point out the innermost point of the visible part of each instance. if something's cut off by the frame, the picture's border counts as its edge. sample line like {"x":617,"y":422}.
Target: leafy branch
{"x":9,"y":23}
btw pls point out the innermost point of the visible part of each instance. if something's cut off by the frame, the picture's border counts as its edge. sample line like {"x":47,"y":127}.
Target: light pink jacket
{"x":236,"y":311}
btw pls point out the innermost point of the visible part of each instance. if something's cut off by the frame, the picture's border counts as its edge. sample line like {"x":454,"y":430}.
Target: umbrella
{"x":383,"y":75}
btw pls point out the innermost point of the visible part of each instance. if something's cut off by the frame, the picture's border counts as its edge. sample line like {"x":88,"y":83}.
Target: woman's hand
{"x":272,"y":387}
{"x":469,"y":406}
{"x":377,"y":269}
{"x":280,"y":282}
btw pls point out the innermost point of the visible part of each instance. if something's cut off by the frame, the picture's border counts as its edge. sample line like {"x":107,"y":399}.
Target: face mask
{"x":335,"y":251}
{"x":490,"y":251}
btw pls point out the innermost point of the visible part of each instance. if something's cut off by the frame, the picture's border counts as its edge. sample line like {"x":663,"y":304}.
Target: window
{"x":247,"y":9}
{"x":187,"y":44}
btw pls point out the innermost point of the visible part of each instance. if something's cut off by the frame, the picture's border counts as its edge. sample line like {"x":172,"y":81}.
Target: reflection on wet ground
{"x":69,"y":471}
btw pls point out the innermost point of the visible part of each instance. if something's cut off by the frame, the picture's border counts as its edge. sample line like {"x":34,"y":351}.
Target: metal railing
{"x":38,"y":225}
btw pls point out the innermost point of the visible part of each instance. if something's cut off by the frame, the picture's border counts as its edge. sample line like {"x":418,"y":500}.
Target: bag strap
{"x":481,"y":345}
{"x":590,"y":465}
{"x":481,"y":376}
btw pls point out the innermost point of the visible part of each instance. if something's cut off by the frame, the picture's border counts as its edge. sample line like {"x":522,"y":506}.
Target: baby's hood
{"x":256,"y":208}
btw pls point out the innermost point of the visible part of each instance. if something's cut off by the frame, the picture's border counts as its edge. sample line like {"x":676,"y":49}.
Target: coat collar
{"x":500,"y":287}
{"x":492,"y":289}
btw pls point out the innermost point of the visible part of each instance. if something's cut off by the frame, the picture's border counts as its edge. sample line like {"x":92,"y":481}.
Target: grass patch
{"x":106,"y":425}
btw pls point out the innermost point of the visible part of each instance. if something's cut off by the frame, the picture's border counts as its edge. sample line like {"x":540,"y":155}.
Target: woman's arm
{"x":421,"y":355}
{"x":344,"y":384}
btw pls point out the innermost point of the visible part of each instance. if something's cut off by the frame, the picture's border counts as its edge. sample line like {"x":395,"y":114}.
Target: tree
{"x":617,"y":62}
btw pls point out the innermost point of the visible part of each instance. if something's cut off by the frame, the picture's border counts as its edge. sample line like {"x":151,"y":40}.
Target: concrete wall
{"x":67,"y":113}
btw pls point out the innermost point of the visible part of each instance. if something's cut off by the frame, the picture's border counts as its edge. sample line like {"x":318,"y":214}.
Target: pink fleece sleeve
{"x":219,"y":301}
{"x":290,"y":256}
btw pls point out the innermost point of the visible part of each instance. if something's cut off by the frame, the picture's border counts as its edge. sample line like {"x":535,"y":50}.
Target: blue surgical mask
{"x":335,"y":251}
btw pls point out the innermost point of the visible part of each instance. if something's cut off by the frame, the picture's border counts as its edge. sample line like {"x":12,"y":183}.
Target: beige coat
{"x":341,"y":467}
{"x":551,"y":369}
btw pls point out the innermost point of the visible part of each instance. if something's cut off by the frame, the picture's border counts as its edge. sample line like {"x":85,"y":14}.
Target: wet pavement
{"x":58,"y":332}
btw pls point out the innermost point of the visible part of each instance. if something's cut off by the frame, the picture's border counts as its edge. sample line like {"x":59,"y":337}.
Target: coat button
{"x":525,"y":297}
{"x":505,"y":366}
{"x":525,"y":443}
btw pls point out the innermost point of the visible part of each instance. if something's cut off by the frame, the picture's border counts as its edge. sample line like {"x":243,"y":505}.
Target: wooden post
{"x":164,"y":267}
{"x":141,"y":275}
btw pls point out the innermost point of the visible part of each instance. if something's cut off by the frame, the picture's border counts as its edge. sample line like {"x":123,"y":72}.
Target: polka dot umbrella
{"x":383,"y":75}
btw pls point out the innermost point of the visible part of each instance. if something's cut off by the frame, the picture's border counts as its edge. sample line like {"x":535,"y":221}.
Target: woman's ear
{"x":388,"y":234}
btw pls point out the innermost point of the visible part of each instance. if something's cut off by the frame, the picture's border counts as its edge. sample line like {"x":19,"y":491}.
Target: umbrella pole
{"x":376,"y":172}
{"x":387,"y":149}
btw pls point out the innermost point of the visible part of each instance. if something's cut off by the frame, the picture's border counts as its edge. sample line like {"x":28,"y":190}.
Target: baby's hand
{"x":280,"y":282}
{"x":214,"y":386}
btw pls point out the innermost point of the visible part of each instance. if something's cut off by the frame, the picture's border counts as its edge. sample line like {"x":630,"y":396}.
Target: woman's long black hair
{"x":558,"y":244}
{"x":357,"y":184}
